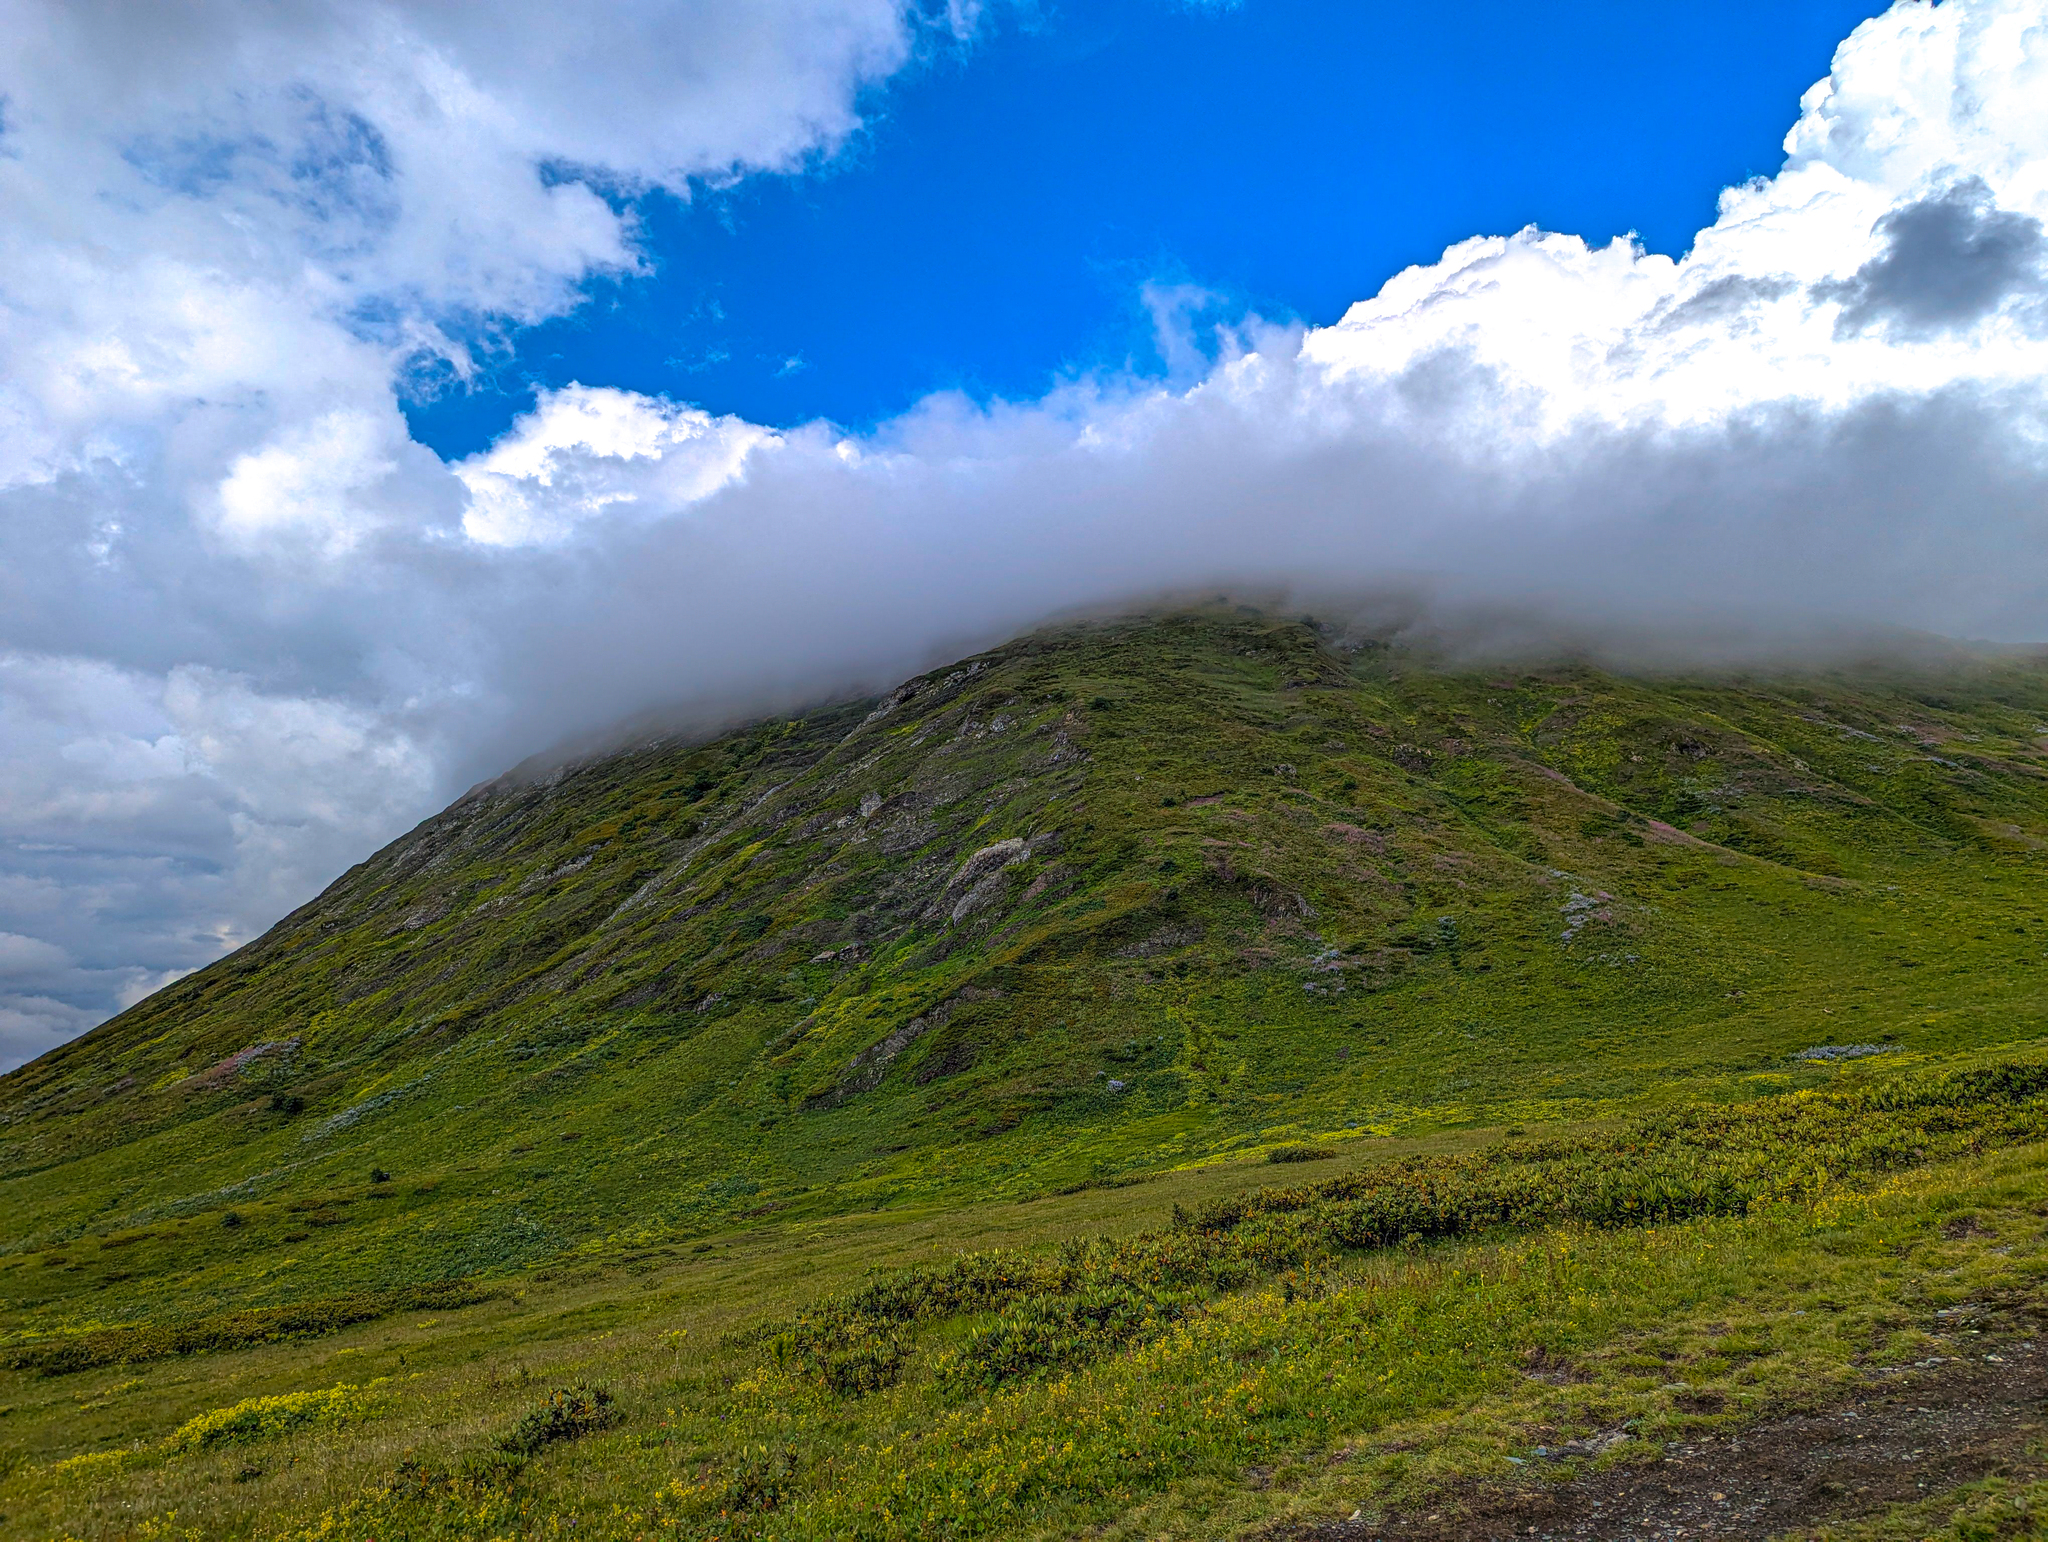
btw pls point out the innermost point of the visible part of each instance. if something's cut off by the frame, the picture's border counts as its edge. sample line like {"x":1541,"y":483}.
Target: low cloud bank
{"x":252,"y":629}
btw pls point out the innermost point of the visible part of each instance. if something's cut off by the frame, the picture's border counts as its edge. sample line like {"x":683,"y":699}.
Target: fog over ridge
{"x":252,"y":628}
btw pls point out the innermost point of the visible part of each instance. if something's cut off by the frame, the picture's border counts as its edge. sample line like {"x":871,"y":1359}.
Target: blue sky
{"x":995,"y":223}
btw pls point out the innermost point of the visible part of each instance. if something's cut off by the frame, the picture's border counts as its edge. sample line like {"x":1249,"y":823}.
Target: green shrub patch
{"x":569,"y":1414}
{"x":1049,"y":1310}
{"x":234,"y":1330}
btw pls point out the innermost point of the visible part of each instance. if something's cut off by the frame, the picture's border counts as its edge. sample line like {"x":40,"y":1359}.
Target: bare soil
{"x":1910,"y":1432}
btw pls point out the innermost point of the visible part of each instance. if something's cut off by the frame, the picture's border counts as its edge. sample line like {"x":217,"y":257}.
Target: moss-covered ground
{"x":615,"y":1075}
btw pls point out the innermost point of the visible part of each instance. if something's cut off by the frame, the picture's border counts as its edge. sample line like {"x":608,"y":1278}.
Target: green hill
{"x":1103,"y":918}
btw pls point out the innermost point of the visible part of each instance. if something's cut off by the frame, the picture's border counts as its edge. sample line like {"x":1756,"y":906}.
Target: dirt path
{"x":1911,"y":1432}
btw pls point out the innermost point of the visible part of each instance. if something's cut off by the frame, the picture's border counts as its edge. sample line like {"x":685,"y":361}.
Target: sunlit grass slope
{"x":1103,"y":901}
{"x":1670,"y":1279}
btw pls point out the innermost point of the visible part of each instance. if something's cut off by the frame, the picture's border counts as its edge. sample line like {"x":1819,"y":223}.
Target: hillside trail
{"x":1908,"y":1433}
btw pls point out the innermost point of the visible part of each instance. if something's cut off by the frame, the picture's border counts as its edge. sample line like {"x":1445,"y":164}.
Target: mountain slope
{"x":1102,"y":901}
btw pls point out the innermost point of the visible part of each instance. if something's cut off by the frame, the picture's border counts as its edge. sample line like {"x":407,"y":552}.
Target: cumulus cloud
{"x":583,"y":451}
{"x":251,"y":627}
{"x":1950,"y":260}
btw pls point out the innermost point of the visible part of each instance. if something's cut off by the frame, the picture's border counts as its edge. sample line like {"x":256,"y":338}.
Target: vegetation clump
{"x":1042,"y":1332}
{"x":234,"y":1330}
{"x":568,"y":1414}
{"x":1040,"y":1311}
{"x":1300,"y":1154}
{"x":262,"y":1418}
{"x":761,"y":1479}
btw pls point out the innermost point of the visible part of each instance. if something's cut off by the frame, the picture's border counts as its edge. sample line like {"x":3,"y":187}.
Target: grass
{"x":1062,"y":1309}
{"x":1367,"y":1379}
{"x":131,"y":1345}
{"x":1093,"y":1087}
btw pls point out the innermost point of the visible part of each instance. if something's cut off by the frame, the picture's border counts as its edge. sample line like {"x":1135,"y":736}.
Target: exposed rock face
{"x":980,"y":879}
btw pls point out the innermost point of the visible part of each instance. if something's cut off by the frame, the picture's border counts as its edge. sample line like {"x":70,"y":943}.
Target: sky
{"x":997,"y":222}
{"x":395,"y":391}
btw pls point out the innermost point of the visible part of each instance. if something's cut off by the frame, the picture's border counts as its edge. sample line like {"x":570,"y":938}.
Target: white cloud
{"x":312,"y":481}
{"x":583,"y":451}
{"x":31,"y":1024}
{"x":248,"y":628}
{"x":1828,"y":415}
{"x":21,"y":955}
{"x":229,"y":227}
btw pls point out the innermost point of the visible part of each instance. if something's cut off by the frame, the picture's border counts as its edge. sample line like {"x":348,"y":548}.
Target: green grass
{"x":690,"y":1038}
{"x":1364,"y":1379}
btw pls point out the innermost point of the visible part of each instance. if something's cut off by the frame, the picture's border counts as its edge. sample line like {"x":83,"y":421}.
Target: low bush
{"x":760,"y":1480}
{"x":1300,"y":1154}
{"x":1045,"y":1332}
{"x":476,"y":1472}
{"x":569,"y":1414}
{"x":1058,"y":1309}
{"x":261,"y":1418}
{"x":867,"y":1358}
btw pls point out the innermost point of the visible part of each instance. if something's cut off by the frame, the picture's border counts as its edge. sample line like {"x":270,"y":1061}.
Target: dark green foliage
{"x":1057,"y":1309}
{"x":760,"y":1479}
{"x":869,"y":1362}
{"x":866,"y":1357}
{"x":568,"y":1414}
{"x":233,"y":1330}
{"x":1300,"y":1154}
{"x":1043,"y":1332}
{"x":474,"y":1473}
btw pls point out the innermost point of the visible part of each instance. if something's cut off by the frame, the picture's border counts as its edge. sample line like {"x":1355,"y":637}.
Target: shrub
{"x":1045,"y":1332}
{"x":760,"y":1480}
{"x":1300,"y":1154}
{"x":1058,"y":1309}
{"x":476,"y":1470}
{"x":569,"y":1414}
{"x":233,"y":1330}
{"x":864,"y":1357}
{"x":868,"y":1364}
{"x":495,"y":1468}
{"x":260,"y":1418}
{"x":414,"y":1479}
